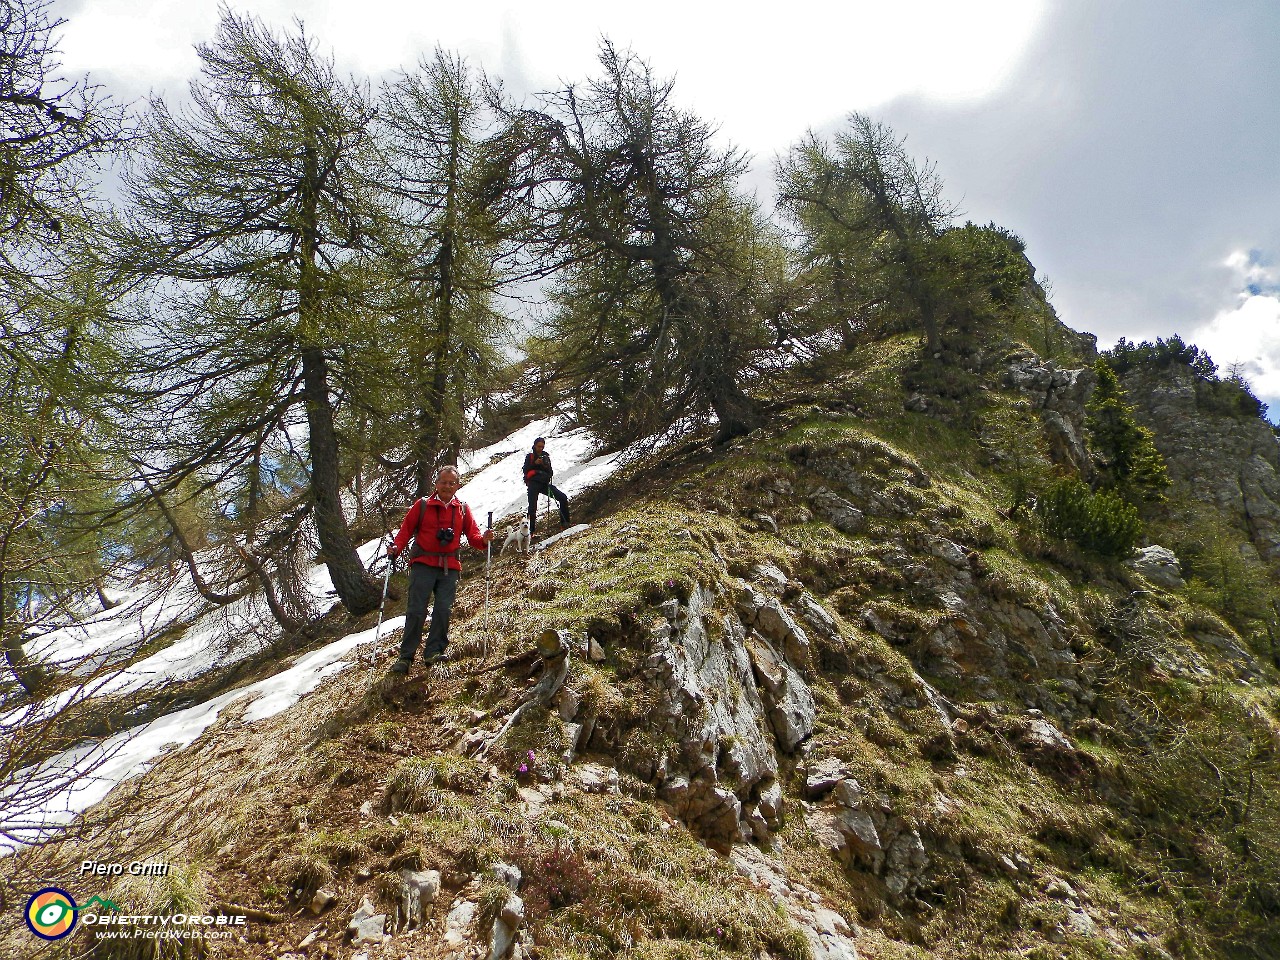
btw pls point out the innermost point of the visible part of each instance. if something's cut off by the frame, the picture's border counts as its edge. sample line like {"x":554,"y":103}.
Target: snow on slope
{"x":222,"y":636}
{"x":75,"y":780}
{"x":499,"y":484}
{"x":43,"y":800}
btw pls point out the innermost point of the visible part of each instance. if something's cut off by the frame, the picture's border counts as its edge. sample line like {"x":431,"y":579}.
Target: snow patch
{"x":41,"y":800}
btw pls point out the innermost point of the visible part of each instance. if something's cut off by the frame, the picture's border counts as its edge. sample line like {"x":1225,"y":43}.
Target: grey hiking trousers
{"x":424,"y":581}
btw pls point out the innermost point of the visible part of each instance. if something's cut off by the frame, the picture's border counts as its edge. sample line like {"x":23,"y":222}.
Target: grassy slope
{"x":1164,"y":820}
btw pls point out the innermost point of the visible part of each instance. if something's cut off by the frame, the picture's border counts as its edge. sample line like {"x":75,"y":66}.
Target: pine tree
{"x":56,"y":358}
{"x":868,"y":218}
{"x":1124,"y":451}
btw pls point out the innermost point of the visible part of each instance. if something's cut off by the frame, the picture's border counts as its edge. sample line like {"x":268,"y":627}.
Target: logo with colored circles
{"x":51,"y":913}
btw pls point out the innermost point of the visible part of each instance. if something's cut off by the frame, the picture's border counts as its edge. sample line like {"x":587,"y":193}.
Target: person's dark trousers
{"x":423,"y":582}
{"x":536,"y":491}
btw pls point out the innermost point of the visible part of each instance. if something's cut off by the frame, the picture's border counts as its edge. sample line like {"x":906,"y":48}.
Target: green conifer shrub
{"x":1102,"y":522}
{"x":1127,"y":459}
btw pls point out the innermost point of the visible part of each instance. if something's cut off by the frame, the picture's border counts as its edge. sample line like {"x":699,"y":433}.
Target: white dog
{"x":519,"y":535}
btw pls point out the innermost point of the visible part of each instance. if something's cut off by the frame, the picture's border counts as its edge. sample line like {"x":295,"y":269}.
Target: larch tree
{"x":868,"y":217}
{"x":252,"y":211}
{"x":636,"y":206}
{"x":446,"y":257}
{"x":56,"y":358}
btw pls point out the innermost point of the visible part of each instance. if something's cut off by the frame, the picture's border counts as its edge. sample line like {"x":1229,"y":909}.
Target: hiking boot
{"x":431,"y":659}
{"x":401,"y":665}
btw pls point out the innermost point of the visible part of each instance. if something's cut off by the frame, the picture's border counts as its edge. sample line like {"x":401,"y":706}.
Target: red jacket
{"x":430,"y":514}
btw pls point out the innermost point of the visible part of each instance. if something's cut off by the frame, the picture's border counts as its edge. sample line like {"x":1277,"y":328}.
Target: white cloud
{"x":764,"y":78}
{"x":1253,"y":273}
{"x":1248,"y":334}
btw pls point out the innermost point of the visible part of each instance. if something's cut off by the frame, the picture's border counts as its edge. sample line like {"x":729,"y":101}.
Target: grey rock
{"x":1059,"y":889}
{"x":771,"y":805}
{"x":311,"y":937}
{"x":513,"y":911}
{"x":1060,"y":397}
{"x":1043,"y":735}
{"x":816,"y":617}
{"x":767,"y":616}
{"x":949,"y":551}
{"x":573,"y":737}
{"x":1081,"y":924}
{"x":708,"y":700}
{"x":459,"y":922}
{"x":787,"y":698}
{"x":418,"y":891}
{"x":1159,"y":565}
{"x":766,"y":521}
{"x":596,"y":778}
{"x":825,"y":827}
{"x":1197,"y":441}
{"x":322,"y":901}
{"x":829,"y":935}
{"x":837,"y":511}
{"x":905,"y":861}
{"x":567,"y":703}
{"x":862,"y":839}
{"x":506,"y":874}
{"x":368,"y":929}
{"x":878,"y":624}
{"x":848,"y":793}
{"x":822,"y":777}
{"x":501,"y":940}
{"x":770,"y":575}
{"x":363,"y":911}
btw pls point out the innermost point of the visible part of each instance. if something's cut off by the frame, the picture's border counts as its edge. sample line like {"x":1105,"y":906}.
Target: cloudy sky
{"x":1134,"y":145}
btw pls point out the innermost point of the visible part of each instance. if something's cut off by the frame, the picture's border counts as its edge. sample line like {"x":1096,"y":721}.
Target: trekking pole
{"x":386,"y":582}
{"x":488,"y":557}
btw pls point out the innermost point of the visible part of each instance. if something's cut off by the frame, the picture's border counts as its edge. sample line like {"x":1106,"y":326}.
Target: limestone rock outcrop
{"x":1197,"y":441}
{"x":1059,"y":394}
{"x":725,"y":676}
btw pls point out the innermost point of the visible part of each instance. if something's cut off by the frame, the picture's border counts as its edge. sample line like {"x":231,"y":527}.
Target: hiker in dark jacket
{"x":537,"y":476}
{"x":437,"y":524}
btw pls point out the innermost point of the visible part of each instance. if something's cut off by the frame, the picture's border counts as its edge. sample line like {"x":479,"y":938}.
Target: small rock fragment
{"x":322,"y":901}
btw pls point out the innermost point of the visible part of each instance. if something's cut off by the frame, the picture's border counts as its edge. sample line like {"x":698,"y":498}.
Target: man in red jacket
{"x":436,"y":524}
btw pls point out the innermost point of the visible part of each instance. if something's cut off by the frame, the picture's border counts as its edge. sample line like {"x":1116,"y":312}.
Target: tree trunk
{"x":355,"y":588}
{"x":431,"y":417}
{"x":107,"y":602}
{"x":737,"y":412}
{"x":30,"y":675}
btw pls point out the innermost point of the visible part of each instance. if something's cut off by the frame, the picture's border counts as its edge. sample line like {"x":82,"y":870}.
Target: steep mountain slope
{"x":826,"y":692}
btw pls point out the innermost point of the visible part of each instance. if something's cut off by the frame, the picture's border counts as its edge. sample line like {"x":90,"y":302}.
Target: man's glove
{"x":393,"y":552}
